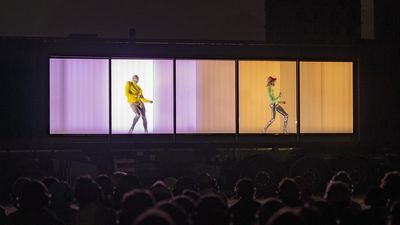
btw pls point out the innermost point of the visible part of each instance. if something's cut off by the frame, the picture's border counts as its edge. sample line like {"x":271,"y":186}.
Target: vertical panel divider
{"x":106,"y":152}
{"x":109,"y":99}
{"x":174,"y":99}
{"x":298,"y":100}
{"x":236,"y":100}
{"x":356,"y":99}
{"x":48,"y":95}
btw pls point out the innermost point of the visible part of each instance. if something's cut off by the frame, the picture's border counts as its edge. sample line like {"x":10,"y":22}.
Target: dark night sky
{"x":186,"y":19}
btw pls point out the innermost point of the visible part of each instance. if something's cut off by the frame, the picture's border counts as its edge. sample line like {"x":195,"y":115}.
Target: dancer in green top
{"x":274,"y":103}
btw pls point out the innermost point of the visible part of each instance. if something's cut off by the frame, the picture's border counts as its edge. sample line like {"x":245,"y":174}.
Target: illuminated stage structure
{"x":205,"y":93}
{"x":66,"y":100}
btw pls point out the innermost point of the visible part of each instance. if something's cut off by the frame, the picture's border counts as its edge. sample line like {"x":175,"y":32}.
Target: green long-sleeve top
{"x":272,"y":98}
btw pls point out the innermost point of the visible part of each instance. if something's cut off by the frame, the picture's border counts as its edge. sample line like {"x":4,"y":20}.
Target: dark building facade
{"x":312,"y":21}
{"x":387,"y":20}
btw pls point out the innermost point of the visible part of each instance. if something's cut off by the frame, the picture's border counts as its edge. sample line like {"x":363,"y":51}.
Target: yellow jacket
{"x":134,"y":93}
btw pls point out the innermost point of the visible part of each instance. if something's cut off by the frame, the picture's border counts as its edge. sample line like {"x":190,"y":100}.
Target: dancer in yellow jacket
{"x":136,"y":101}
{"x":275,"y":105}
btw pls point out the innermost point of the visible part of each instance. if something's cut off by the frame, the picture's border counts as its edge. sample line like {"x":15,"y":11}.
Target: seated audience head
{"x":344,"y":177}
{"x":116,"y":177}
{"x":186,"y":203}
{"x":105,"y":183}
{"x":48,"y":181}
{"x":263,"y":184}
{"x":133,"y":204}
{"x":127,"y":183}
{"x":211,"y":210}
{"x":288,"y":192}
{"x":184,"y":183}
{"x":338,"y":194}
{"x":170,"y":182}
{"x":391,"y":185}
{"x":61,"y":193}
{"x":191,"y":194}
{"x":130,"y":182}
{"x":394,"y":214}
{"x":153,"y":217}
{"x":271,"y":206}
{"x":245,"y":188}
{"x":160,"y":191}
{"x":33,"y":196}
{"x":87,"y":191}
{"x":178,"y":215}
{"x":204,"y":182}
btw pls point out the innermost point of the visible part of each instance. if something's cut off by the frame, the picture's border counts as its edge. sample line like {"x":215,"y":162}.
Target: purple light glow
{"x":186,"y":96}
{"x":79,"y":96}
{"x":163,"y":96}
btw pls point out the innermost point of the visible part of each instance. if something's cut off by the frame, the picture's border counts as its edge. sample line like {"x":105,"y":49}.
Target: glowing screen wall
{"x":326,"y":97}
{"x":81,"y":101}
{"x":156,"y":82}
{"x":205,"y":96}
{"x":79,"y":96}
{"x":254,"y":109}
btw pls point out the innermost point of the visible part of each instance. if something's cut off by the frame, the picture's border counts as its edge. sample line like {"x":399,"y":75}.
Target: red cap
{"x":270,"y":79}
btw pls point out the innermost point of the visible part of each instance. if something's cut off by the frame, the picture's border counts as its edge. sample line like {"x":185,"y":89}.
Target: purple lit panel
{"x":163,"y":96}
{"x":186,"y":96}
{"x":79,"y":96}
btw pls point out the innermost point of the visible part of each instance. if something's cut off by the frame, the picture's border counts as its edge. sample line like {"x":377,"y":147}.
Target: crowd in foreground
{"x":121,"y":199}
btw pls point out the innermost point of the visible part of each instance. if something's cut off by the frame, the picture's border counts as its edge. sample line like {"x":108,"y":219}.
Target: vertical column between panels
{"x":174,"y":98}
{"x":109,"y":97}
{"x":236,"y":98}
{"x":298,"y":99}
{"x":356,"y":103}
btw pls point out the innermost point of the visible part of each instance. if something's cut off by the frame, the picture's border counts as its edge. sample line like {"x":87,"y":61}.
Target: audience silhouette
{"x":135,"y":203}
{"x":270,"y":206}
{"x":33,"y":200}
{"x":91,"y":210}
{"x":289,"y":193}
{"x":121,"y":199}
{"x":243,"y":212}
